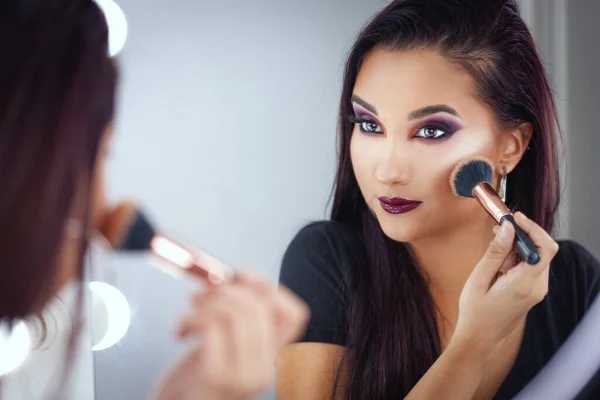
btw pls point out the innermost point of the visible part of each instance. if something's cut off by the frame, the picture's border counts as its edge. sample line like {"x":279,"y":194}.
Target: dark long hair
{"x":393,"y":338}
{"x":57,"y":93}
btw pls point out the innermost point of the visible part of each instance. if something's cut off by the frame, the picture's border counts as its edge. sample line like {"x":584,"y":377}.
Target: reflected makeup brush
{"x":473,"y":178}
{"x":126,"y":228}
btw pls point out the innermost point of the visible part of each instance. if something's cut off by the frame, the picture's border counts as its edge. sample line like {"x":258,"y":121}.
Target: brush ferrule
{"x":490,"y":201}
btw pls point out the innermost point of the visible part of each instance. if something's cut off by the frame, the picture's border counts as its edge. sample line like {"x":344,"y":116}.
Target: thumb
{"x":495,"y":256}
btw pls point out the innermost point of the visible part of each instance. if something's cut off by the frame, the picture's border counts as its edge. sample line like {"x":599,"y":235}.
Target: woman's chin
{"x":399,"y":231}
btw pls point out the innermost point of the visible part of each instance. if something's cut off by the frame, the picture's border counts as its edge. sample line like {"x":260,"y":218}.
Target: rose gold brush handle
{"x":193,"y":262}
{"x":490,"y":201}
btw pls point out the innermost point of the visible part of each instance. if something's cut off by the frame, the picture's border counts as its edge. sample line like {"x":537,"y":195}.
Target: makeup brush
{"x":126,"y":228}
{"x":472,"y":177}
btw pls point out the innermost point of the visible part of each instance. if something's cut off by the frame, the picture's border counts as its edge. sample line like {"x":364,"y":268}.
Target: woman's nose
{"x":394,"y":166}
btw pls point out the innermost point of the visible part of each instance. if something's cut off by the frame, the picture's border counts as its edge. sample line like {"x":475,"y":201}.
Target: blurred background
{"x":226,"y":135}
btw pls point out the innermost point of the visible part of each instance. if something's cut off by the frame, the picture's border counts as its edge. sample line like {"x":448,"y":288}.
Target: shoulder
{"x":574,"y":259}
{"x":575,"y":272}
{"x":322,"y":248}
{"x":574,"y":249}
{"x":325,"y":234}
{"x":317,"y":267}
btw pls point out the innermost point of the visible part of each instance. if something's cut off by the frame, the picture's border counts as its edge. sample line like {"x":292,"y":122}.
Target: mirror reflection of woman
{"x":57,"y":100}
{"x":414,"y":292}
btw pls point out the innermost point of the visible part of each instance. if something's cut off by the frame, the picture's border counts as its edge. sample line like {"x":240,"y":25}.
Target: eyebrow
{"x":429,"y":110}
{"x":416,"y":114}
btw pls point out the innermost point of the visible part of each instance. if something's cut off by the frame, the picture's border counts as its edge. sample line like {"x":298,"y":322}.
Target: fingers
{"x":211,"y":358}
{"x":241,"y":326}
{"x":239,"y":309}
{"x":543,"y":241}
{"x":247,"y":333}
{"x":496,"y":255}
{"x":529,"y":283}
{"x":291,"y":313}
{"x":254,"y":320}
{"x":510,"y":262}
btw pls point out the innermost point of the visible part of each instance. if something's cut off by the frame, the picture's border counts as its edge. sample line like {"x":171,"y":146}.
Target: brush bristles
{"x":469,"y":173}
{"x":127,"y":228}
{"x":140,"y":234}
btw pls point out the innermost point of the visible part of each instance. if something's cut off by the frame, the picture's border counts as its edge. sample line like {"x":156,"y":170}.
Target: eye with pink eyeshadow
{"x":365,"y":120}
{"x":437,"y":128}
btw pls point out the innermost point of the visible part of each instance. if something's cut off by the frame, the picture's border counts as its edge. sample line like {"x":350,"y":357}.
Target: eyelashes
{"x":429,"y":131}
{"x":435,"y":131}
{"x":367,"y":125}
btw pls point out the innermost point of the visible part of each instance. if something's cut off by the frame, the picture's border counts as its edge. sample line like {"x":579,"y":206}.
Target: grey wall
{"x":584,"y":134}
{"x":547,"y":22}
{"x":566,"y":35}
{"x":226,"y":132}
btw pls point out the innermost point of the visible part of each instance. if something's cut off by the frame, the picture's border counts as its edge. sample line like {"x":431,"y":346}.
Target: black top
{"x":316,"y":267}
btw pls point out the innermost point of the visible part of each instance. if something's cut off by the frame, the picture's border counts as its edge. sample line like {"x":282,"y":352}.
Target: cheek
{"x":468,"y":145}
{"x":431,"y":182}
{"x":363,"y":157}
{"x":435,"y":162}
{"x":460,"y":148}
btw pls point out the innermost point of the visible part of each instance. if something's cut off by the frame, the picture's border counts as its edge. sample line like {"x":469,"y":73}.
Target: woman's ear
{"x":514,"y":145}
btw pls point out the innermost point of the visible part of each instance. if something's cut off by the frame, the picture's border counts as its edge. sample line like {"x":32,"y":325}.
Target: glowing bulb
{"x":111,"y":315}
{"x":117,"y":25}
{"x":14,"y":347}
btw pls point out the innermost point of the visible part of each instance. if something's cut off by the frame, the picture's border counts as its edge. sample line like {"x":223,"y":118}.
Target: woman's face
{"x":418,"y":116}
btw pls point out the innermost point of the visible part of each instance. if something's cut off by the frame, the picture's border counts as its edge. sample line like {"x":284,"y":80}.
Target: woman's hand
{"x":492,"y":304}
{"x":241,"y":327}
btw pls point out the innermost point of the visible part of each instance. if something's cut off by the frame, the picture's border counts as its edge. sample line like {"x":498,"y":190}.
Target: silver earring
{"x":502,"y":189}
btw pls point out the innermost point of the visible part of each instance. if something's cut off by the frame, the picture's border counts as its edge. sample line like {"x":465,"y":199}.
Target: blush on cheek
{"x":449,"y":161}
{"x":467,"y":146}
{"x":366,"y":154}
{"x":358,"y":149}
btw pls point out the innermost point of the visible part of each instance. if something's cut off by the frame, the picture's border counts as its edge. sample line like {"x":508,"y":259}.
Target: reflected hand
{"x":241,"y":327}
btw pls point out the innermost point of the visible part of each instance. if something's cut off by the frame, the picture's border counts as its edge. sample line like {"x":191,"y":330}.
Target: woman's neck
{"x":448,"y":260}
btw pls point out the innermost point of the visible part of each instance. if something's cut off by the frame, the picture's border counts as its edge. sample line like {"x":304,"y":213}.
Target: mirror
{"x":225,"y":133}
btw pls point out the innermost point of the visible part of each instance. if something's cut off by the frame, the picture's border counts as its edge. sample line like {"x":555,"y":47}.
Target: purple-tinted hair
{"x":57,"y":94}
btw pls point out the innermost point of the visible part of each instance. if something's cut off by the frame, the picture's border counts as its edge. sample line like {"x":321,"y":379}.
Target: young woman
{"x":57,"y":96}
{"x":414,"y":293}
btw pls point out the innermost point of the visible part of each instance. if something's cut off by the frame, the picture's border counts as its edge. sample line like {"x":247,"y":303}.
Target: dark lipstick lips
{"x":398,"y":205}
